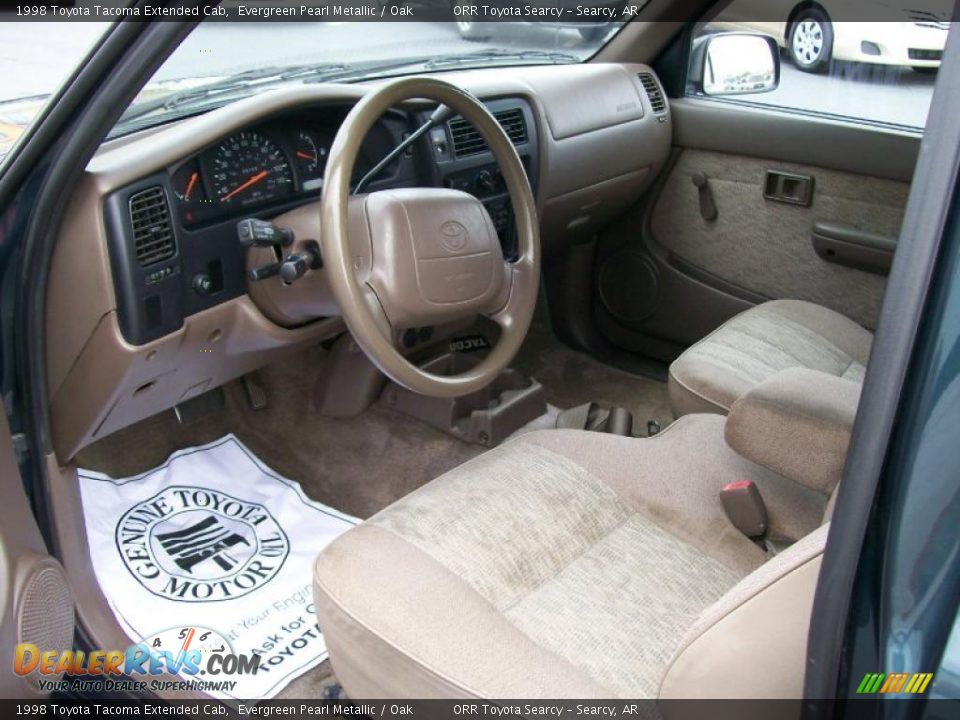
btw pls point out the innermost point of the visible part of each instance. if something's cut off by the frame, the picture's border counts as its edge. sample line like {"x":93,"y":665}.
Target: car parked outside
{"x":812,"y":37}
{"x":592,"y":19}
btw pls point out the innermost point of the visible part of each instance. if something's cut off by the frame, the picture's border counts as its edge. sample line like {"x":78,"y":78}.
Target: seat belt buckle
{"x":742,"y":502}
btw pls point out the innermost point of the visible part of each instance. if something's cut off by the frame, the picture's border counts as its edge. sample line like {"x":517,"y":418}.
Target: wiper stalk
{"x":438,"y":117}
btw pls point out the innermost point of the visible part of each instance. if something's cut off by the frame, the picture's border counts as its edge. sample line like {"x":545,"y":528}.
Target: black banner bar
{"x":477,"y":709}
{"x":556,"y":12}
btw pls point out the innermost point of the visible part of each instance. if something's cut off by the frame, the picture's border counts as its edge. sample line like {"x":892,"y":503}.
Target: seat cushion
{"x":760,"y":342}
{"x":562,"y":564}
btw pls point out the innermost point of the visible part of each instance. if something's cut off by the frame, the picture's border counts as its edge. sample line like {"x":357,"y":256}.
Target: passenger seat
{"x":756,"y":344}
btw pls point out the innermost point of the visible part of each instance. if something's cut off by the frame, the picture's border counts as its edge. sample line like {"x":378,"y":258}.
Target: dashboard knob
{"x":202,"y":284}
{"x":486,"y":181}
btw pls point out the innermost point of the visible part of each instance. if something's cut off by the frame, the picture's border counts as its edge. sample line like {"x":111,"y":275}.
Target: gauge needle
{"x":190,"y":185}
{"x":184,"y":647}
{"x":252,"y":181}
{"x":187,"y":640}
{"x":305,"y":156}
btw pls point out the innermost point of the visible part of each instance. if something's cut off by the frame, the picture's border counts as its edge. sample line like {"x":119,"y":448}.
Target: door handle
{"x":788,"y":188}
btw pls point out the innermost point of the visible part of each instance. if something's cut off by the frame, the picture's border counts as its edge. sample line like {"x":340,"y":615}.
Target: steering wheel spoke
{"x":377,"y":313}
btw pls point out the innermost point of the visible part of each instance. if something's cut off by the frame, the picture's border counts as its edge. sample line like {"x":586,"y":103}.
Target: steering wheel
{"x":414,"y":257}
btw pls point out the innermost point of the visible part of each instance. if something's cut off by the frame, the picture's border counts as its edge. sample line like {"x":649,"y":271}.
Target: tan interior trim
{"x":22,"y":550}
{"x":93,"y":610}
{"x":114,"y":384}
{"x":807,"y":139}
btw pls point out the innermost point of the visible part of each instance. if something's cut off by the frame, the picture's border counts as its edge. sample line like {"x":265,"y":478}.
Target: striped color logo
{"x":893,"y":683}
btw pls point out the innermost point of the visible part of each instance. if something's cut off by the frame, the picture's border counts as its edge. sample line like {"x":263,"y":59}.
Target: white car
{"x":813,"y":37}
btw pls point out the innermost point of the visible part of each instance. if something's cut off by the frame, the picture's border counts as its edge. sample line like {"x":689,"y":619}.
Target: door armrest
{"x":855,"y":248}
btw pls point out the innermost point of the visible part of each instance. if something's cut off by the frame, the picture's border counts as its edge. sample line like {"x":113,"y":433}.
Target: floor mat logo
{"x":200,"y":545}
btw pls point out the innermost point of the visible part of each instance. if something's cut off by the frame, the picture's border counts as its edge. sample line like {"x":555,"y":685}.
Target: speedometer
{"x":249,"y":168}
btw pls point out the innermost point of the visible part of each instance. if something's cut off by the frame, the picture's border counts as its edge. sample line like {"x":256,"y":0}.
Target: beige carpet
{"x":362,"y":464}
{"x":573,"y":378}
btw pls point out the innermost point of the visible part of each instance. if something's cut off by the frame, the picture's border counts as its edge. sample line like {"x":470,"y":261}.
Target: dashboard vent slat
{"x":152,"y":230}
{"x":652,"y":88}
{"x":467,"y":141}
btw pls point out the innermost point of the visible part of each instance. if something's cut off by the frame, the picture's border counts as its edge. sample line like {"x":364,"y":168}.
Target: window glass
{"x":35,"y":59}
{"x":873,"y":71}
{"x":221,"y":61}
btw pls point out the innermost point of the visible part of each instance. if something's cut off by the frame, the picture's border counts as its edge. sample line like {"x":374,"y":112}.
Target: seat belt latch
{"x":742,"y":502}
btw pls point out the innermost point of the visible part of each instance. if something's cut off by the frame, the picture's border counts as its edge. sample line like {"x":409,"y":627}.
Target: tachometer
{"x":249,"y":168}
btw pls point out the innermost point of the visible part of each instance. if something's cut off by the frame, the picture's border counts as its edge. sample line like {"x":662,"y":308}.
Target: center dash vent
{"x":652,"y":88}
{"x":467,"y":141}
{"x":152,"y":230}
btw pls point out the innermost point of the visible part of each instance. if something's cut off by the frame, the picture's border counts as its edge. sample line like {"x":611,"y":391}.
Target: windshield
{"x":222,"y":61}
{"x":31,"y":72}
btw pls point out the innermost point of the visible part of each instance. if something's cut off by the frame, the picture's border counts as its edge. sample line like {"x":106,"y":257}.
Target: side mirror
{"x":735,"y":64}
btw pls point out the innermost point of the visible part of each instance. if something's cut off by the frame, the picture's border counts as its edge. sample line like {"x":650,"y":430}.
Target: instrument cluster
{"x":270,"y":164}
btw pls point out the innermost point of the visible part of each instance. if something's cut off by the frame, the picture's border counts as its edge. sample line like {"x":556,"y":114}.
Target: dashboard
{"x":150,"y":300}
{"x":174,"y":246}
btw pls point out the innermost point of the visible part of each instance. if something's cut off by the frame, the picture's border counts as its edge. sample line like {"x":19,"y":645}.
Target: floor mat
{"x":213,"y":540}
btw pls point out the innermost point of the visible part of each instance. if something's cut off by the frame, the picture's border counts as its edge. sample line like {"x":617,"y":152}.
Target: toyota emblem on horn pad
{"x":453,"y":236}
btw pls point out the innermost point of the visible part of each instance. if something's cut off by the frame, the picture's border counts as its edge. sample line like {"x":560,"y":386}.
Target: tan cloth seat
{"x":573,"y":564}
{"x":760,"y":342}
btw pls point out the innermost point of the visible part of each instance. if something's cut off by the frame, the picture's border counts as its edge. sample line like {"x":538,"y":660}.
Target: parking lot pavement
{"x":34,"y":58}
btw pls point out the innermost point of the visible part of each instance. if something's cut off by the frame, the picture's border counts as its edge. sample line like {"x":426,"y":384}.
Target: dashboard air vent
{"x":152,"y":229}
{"x":652,"y":88}
{"x":467,"y":141}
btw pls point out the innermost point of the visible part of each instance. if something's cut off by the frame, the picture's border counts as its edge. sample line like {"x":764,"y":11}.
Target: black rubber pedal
{"x":256,"y":391}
